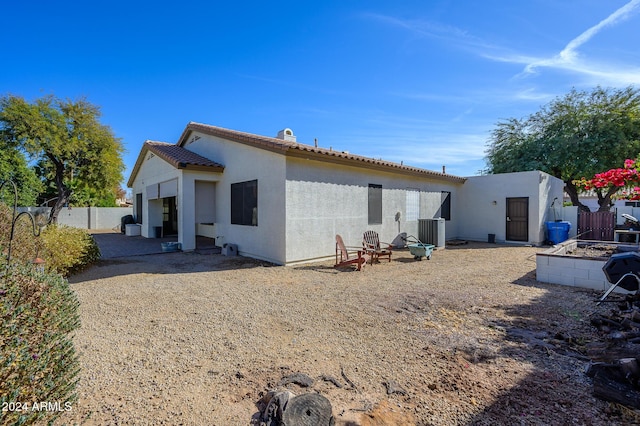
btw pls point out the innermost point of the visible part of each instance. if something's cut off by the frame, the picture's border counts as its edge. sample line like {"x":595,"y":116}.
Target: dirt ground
{"x":466,"y":338}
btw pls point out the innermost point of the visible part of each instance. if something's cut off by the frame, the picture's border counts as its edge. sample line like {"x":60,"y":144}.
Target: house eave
{"x":198,"y":168}
{"x":371,"y":164}
{"x":299,"y":150}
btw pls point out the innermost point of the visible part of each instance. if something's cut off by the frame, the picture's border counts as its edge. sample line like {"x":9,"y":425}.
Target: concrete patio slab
{"x":115,"y":244}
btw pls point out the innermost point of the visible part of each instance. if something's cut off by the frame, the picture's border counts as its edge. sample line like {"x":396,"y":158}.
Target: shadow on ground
{"x":165,"y":263}
{"x":551,"y":334}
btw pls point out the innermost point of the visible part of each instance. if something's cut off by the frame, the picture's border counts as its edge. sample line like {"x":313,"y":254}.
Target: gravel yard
{"x":468,"y":337}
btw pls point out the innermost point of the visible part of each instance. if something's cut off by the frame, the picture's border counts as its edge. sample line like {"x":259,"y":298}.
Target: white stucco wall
{"x":152,"y":171}
{"x":205,"y":193}
{"x":245,"y":163}
{"x":86,"y":217}
{"x":324,"y":199}
{"x":483,"y":202}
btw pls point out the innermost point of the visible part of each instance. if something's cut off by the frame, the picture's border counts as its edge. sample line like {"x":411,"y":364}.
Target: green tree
{"x":14,"y":167}
{"x":78,"y":158}
{"x":577,"y":135}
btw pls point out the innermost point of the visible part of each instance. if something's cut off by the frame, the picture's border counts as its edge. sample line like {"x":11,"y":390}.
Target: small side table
{"x":619,"y":232}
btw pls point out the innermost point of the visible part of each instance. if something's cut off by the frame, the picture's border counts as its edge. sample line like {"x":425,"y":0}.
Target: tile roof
{"x":308,"y":151}
{"x":177,"y":156}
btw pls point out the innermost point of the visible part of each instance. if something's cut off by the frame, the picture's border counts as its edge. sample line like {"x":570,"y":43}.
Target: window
{"x":244,"y":203}
{"x":139,"y":208}
{"x":632,"y":204}
{"x":445,"y":206}
{"x":375,"y":204}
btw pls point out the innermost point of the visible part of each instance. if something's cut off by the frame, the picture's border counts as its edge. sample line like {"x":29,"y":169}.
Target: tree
{"x":79,"y":159}
{"x":14,"y":167}
{"x":574,"y":136}
{"x":625,"y":181}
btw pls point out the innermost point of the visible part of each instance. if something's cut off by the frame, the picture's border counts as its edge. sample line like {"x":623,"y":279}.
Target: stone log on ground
{"x":310,"y":409}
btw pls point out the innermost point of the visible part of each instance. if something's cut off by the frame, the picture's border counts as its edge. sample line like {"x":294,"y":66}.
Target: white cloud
{"x":423,"y":28}
{"x":531,"y":94}
{"x":569,"y":52}
{"x":569,"y":59}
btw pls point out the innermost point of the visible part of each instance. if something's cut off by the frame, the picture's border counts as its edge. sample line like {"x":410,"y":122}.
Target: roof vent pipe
{"x":444,"y":169}
{"x":286,"y":135}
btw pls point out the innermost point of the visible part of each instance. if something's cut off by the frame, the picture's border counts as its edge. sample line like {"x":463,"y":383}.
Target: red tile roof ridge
{"x":283,"y":145}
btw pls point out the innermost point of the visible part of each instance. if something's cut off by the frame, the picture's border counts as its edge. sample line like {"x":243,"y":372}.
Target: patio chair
{"x":374,"y":247}
{"x":349,"y":256}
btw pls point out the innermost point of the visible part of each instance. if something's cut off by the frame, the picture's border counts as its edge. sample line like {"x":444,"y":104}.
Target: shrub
{"x":68,"y":250}
{"x":38,"y":363}
{"x":24,"y":246}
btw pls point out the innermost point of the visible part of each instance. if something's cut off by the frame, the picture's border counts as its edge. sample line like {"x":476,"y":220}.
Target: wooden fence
{"x":598,"y":226}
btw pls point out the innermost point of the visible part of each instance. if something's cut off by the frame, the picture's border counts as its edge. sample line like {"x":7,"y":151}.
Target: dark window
{"x":445,"y":206}
{"x":139,"y":208}
{"x":375,"y":204}
{"x":244,"y":203}
{"x":632,"y":204}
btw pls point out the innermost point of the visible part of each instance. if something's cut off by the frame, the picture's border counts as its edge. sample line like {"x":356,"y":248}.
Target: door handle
{"x":508,"y":219}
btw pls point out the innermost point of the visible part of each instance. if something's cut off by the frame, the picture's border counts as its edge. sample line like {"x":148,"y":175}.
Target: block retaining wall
{"x":553,"y":266}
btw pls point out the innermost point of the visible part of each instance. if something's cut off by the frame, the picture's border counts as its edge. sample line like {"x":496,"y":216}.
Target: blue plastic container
{"x":558,"y":232}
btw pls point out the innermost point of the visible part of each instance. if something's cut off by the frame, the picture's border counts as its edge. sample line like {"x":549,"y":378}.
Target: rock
{"x":332,"y":380}
{"x":299,"y":379}
{"x":394,"y":387}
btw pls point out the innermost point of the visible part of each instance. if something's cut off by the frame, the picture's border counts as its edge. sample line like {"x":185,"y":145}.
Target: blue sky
{"x":423,"y":82}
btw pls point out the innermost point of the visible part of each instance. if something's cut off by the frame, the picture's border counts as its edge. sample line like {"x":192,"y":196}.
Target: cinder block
{"x":597,"y":274}
{"x":580,"y":273}
{"x":589,"y":264}
{"x":542,"y":260}
{"x":542,"y":276}
{"x":562,"y":280}
{"x":563,"y":262}
{"x":560,"y":271}
{"x":592,"y":284}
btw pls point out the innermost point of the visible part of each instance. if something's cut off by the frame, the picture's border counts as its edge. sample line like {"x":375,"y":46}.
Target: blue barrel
{"x":558,"y":232}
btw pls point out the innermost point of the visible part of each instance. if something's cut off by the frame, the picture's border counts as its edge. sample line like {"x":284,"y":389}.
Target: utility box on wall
{"x":230,"y":249}
{"x":431,"y":231}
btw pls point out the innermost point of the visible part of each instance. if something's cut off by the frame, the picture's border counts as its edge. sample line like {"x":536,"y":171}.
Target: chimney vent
{"x":286,"y":135}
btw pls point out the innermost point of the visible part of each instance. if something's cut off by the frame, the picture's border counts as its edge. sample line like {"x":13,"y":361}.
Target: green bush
{"x":68,"y":250}
{"x":38,"y":363}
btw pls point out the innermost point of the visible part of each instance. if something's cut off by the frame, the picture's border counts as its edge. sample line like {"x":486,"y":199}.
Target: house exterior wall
{"x":195,"y":204}
{"x":324,"y":199}
{"x":205,"y":193}
{"x":480,"y":216}
{"x":303,"y":203}
{"x":245,"y":163}
{"x":153,"y":170}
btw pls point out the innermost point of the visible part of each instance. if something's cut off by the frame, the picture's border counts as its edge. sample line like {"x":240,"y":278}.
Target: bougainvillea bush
{"x":625,"y":180}
{"x":38,"y":363}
